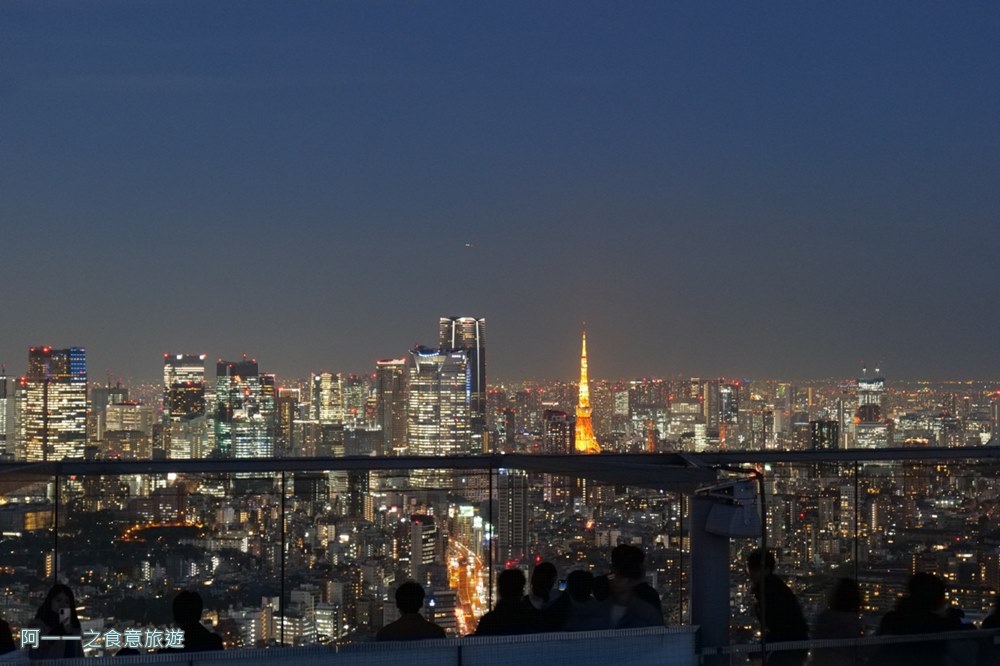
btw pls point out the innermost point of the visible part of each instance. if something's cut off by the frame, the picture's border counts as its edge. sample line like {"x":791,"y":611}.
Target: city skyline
{"x":109,"y":379}
{"x":716,"y":190}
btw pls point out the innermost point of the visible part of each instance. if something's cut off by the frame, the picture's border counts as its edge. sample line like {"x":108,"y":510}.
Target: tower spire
{"x":584,"y":381}
{"x":586,"y":442}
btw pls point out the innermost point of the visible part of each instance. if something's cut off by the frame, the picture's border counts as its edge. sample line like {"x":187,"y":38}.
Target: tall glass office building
{"x":54,"y":404}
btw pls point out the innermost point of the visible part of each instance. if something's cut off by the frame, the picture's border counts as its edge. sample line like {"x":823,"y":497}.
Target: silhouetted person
{"x":187,"y":615}
{"x":6,"y":638}
{"x":840,"y":619}
{"x":625,"y":610}
{"x":508,"y":615}
{"x":57,"y":617}
{"x":921,"y":611}
{"x":411,"y":625}
{"x":584,"y":612}
{"x":782,"y":619}
{"x":627,"y":569}
{"x":544,"y":604}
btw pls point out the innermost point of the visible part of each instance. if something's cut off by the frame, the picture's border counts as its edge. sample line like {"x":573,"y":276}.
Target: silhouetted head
{"x":543,"y":578}
{"x":510,"y":584}
{"x":59,"y":597}
{"x":579,"y":585}
{"x":926,"y":591}
{"x":845,"y":596}
{"x":756,"y":558}
{"x":409,"y":597}
{"x":187,"y":608}
{"x":627,"y":561}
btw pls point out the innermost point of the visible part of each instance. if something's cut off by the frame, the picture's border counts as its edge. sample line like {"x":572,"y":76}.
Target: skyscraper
{"x":183,"y":386}
{"x":512,"y":516}
{"x":355,"y":397}
{"x":287,"y":413}
{"x":585,"y":441}
{"x":558,"y":434}
{"x":326,"y":399}
{"x":870,"y":431}
{"x":185,"y":422}
{"x":438,"y":415}
{"x":729,"y":404}
{"x":245,"y":410}
{"x":55,"y":404}
{"x":423,"y":547}
{"x":390,"y":392}
{"x":824,"y":435}
{"x":870,"y":391}
{"x":469,"y":334}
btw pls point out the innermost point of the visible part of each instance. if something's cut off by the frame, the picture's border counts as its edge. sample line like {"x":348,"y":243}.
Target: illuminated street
{"x":465,"y":574}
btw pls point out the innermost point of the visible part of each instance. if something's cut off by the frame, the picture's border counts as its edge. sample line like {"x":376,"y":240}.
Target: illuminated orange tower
{"x":585,"y":440}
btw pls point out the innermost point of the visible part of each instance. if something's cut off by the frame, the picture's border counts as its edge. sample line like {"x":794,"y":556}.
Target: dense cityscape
{"x":313,"y":555}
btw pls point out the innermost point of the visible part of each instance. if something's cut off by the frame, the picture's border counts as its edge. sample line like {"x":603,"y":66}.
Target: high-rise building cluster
{"x":435,"y":401}
{"x":431,"y":401}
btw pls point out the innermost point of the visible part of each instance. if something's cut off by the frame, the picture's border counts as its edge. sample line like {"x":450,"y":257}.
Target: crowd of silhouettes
{"x":621,"y":599}
{"x":922,"y":610}
{"x":618,"y":600}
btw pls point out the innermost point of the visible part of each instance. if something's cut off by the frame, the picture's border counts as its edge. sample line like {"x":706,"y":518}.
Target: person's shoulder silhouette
{"x":187,"y":608}
{"x":411,"y":625}
{"x":508,"y":615}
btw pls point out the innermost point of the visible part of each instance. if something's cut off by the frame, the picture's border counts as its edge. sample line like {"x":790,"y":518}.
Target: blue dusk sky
{"x":753,"y":189}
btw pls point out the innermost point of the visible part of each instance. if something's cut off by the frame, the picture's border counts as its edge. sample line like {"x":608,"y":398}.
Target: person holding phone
{"x":57,"y":617}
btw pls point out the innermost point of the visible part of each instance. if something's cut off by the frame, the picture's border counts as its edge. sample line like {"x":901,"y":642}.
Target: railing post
{"x":709,"y":581}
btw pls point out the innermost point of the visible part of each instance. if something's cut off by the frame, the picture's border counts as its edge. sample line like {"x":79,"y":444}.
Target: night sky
{"x":752,"y":189}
